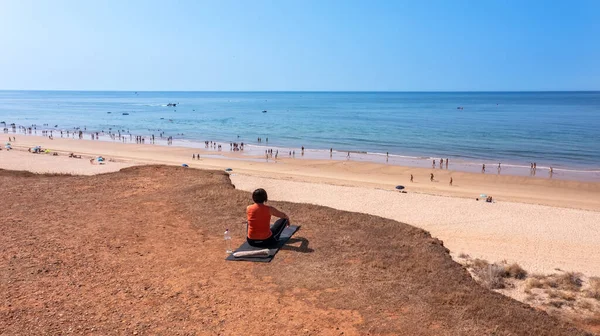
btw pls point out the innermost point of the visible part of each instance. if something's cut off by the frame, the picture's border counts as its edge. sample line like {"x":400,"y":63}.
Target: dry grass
{"x":516,"y":271}
{"x":492,"y":275}
{"x":553,"y":294}
{"x":584,"y":304}
{"x":593,"y":290}
{"x":530,"y":297}
{"x":570,"y":281}
{"x":567,"y":296}
{"x":543,"y":291}
{"x":479,"y":263}
{"x":533,"y":283}
{"x":141,"y":251}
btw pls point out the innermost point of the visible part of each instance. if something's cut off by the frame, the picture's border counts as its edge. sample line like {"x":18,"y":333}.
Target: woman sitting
{"x":260,"y":232}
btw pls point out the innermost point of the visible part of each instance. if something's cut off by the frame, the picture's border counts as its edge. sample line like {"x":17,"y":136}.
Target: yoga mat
{"x":287,"y":233}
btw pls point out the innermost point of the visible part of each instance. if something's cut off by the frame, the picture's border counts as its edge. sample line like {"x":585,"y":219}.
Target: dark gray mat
{"x":287,"y":233}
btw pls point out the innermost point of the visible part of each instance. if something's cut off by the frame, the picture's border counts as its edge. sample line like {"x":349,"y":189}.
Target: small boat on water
{"x":125,"y":113}
{"x":264,"y":111}
{"x":172,"y":104}
{"x":109,"y":112}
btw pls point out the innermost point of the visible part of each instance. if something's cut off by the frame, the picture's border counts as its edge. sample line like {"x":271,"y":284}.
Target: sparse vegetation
{"x":594,"y":288}
{"x":493,"y":275}
{"x":569,"y":281}
{"x":530,"y":297}
{"x":533,"y":283}
{"x":567,"y":296}
{"x":584,"y":304}
{"x":552,"y":293}
{"x":516,"y":271}
{"x":479,"y":263}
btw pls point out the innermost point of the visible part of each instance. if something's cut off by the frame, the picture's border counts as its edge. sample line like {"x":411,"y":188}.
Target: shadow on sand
{"x":303,"y":248}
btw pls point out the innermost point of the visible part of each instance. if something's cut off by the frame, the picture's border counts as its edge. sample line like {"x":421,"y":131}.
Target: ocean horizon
{"x":556,"y":129}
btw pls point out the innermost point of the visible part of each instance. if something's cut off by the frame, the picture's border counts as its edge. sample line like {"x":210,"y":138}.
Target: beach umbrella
{"x":399,"y":187}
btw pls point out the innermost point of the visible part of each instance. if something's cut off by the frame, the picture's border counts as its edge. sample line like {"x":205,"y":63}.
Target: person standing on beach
{"x":431,"y":177}
{"x":433,"y":165}
{"x":330,"y":152}
{"x":348,"y":156}
{"x":302,"y":150}
{"x":441,"y":163}
{"x":450,"y":181}
{"x":483,"y":168}
{"x":411,"y":178}
{"x":551,"y":171}
{"x":531,"y":173}
{"x":446,"y":163}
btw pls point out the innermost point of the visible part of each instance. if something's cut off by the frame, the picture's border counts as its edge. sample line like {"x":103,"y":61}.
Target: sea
{"x":552,"y":129}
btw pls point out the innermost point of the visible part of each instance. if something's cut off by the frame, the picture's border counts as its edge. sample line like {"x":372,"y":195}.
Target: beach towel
{"x":287,"y":233}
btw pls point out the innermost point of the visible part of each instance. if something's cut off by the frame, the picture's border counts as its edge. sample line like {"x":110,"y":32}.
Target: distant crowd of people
{"x":125,"y":136}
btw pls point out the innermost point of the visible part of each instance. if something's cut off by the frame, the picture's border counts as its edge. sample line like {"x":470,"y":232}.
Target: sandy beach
{"x":543,"y":224}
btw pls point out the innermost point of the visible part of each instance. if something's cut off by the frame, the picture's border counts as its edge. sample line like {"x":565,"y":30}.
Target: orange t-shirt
{"x":259,"y":221}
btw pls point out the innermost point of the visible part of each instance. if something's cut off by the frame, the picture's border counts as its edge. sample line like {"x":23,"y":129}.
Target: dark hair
{"x":259,"y":196}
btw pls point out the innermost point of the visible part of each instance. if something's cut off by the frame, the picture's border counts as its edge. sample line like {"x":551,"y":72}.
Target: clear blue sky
{"x":255,"y":45}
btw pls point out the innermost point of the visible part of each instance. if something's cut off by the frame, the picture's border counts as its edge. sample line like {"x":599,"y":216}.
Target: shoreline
{"x":255,"y":150}
{"x":522,"y":189}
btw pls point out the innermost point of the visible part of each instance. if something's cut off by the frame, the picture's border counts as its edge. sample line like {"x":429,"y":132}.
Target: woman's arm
{"x":278,"y":213}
